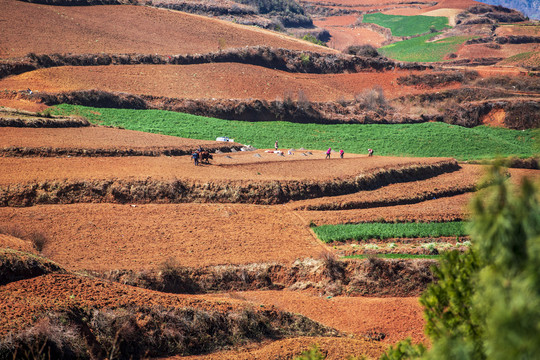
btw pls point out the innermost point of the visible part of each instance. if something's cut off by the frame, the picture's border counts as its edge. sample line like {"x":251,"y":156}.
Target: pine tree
{"x":486,"y":303}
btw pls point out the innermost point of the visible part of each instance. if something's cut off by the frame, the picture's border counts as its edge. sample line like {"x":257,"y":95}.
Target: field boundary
{"x":273,"y":58}
{"x":181,"y":191}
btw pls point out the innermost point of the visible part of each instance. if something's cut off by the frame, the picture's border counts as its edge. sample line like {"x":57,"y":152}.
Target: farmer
{"x":276,"y":145}
{"x":370,"y":152}
{"x":341,"y":152}
{"x":195,"y":157}
{"x":328,"y":152}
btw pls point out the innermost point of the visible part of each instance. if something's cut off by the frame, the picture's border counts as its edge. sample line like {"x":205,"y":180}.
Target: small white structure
{"x":224,"y":138}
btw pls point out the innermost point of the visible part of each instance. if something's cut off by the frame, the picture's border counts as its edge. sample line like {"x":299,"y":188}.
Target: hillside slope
{"x":46,"y":29}
{"x":530,"y":8}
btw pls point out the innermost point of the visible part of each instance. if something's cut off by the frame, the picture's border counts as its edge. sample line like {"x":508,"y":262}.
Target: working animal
{"x":206,"y":157}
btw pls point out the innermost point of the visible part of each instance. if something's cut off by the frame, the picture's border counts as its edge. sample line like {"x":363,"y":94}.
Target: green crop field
{"x":394,"y":256}
{"x":420,"y":49}
{"x":419,"y":140}
{"x":407,"y":25}
{"x":365,"y":231}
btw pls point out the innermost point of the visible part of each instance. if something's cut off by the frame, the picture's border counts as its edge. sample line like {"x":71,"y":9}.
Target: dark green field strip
{"x":365,"y":231}
{"x":420,"y":140}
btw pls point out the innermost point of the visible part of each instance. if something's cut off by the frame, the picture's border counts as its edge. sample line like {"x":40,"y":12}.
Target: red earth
{"x":97,"y":137}
{"x":47,"y":29}
{"x":206,"y":81}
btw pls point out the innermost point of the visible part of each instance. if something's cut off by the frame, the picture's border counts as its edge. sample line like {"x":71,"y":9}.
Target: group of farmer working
{"x":341,"y":152}
{"x":329,"y":151}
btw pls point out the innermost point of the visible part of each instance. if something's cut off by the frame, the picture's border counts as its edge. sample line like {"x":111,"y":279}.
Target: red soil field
{"x":334,"y":348}
{"x":517,"y":30}
{"x":8,"y":241}
{"x":22,"y":302}
{"x":465,"y":178}
{"x":206,"y":81}
{"x":240,"y":167}
{"x":475,"y":51}
{"x":397,"y":318}
{"x":110,"y":236}
{"x":97,"y":137}
{"x":442,"y":209}
{"x":46,"y":29}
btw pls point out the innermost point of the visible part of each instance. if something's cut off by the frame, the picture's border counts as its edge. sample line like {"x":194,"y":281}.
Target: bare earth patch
{"x":108,"y":236}
{"x":396,"y":318}
{"x":205,"y":81}
{"x":110,"y":29}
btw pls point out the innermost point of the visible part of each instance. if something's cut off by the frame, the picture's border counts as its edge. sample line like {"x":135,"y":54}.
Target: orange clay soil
{"x":482,"y":51}
{"x":10,"y":242}
{"x":97,"y":137}
{"x":333,"y":348}
{"x":46,"y":29}
{"x":397,"y":318}
{"x":505,"y":30}
{"x":109,"y":236}
{"x":463,"y":180}
{"x":243,"y":167}
{"x":22,"y":301}
{"x":443,"y":209}
{"x":440,"y":209}
{"x":222,"y":81}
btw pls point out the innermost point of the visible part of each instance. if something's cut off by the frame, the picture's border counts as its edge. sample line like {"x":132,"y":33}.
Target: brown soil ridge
{"x":197,"y":325}
{"x":101,"y":141}
{"x":463,"y":180}
{"x":41,"y":122}
{"x":18,"y":265}
{"x":14,"y":151}
{"x":243,"y":110}
{"x":272,"y":58}
{"x":326,"y":276}
{"x":333,"y":348}
{"x":180,"y":191}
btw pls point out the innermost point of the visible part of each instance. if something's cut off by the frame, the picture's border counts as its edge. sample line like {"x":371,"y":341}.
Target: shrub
{"x":362,"y":50}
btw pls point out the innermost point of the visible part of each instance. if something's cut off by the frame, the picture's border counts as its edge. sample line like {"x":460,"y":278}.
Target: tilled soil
{"x":334,"y":349}
{"x":124,"y":29}
{"x":97,"y":137}
{"x":108,"y":236}
{"x":21,"y":302}
{"x":448,"y":184}
{"x":396,"y":318}
{"x":244,"y":167}
{"x":206,"y":81}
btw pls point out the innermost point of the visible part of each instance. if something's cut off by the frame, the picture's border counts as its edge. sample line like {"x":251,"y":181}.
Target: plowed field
{"x":45,"y":29}
{"x":97,"y":138}
{"x":463,"y":180}
{"x":239,"y":167}
{"x":21,"y":302}
{"x":108,"y":236}
{"x":221,"y":81}
{"x":335,"y":349}
{"x":397,"y":318}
